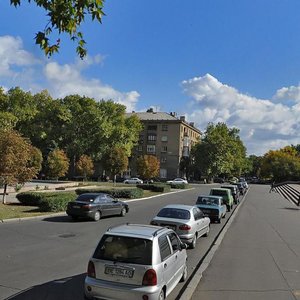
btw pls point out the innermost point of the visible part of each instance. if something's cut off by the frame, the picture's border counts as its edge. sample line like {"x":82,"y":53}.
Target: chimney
{"x":192,"y":124}
{"x":182,"y":118}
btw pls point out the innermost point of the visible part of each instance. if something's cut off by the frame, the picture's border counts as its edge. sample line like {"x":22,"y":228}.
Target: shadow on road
{"x":70,"y":288}
{"x":59,"y":219}
{"x":291,"y":208}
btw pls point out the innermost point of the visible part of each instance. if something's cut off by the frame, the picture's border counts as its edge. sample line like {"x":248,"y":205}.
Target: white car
{"x":134,"y":262}
{"x":133,"y":180}
{"x":188,"y":221}
{"x":177,"y":181}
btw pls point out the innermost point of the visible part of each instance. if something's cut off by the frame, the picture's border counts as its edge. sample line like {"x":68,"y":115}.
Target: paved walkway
{"x":259,"y":257}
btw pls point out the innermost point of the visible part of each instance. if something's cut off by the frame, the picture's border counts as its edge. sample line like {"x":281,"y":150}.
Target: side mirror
{"x":183,"y":246}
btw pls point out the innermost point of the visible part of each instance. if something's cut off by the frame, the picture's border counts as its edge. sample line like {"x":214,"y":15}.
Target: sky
{"x":233,"y":61}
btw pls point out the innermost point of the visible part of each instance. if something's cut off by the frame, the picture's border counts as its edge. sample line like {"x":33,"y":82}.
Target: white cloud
{"x":263,"y":125}
{"x":288,"y":93}
{"x":67,"y":79}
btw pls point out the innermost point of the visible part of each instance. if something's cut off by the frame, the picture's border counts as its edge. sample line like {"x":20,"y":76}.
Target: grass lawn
{"x":13,"y":210}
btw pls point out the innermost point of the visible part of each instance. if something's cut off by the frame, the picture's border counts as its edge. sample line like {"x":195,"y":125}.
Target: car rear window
{"x":218,"y":193}
{"x":176,"y":213}
{"x":207,"y":201}
{"x":124,"y":249}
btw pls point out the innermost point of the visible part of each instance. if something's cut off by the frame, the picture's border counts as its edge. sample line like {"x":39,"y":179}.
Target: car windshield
{"x":207,"y":201}
{"x":124,"y":249}
{"x":175,"y":213}
{"x":219,"y":193}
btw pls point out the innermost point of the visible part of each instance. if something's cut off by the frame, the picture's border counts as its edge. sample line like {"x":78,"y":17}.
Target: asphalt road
{"x":47,"y":258}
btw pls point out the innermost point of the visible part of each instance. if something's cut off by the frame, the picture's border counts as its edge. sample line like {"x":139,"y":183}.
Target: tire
{"x":194,"y":242}
{"x":97,"y":216}
{"x":184,"y":274}
{"x":123,"y":212}
{"x":161,"y":295}
{"x":219,"y":220}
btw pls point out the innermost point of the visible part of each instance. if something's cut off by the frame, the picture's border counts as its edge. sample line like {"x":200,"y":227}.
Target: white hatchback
{"x":133,"y":180}
{"x":135,"y":262}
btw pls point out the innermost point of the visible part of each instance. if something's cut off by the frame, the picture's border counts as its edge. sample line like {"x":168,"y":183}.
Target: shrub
{"x":117,"y":193}
{"x":29,"y":198}
{"x":179,"y":186}
{"x":162,"y":188}
{"x":57,"y":202}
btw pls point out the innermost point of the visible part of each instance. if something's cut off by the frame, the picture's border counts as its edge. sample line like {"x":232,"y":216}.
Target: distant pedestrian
{"x":272,"y":186}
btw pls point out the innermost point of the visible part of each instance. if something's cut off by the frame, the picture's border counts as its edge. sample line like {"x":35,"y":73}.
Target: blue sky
{"x":234,"y":61}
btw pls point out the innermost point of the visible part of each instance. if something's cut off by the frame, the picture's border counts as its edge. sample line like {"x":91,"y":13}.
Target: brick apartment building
{"x":167,"y":137}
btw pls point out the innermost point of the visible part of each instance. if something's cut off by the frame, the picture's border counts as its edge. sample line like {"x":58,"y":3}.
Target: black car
{"x":95,"y":206}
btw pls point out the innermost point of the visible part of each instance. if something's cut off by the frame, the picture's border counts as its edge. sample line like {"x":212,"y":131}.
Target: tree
{"x":115,"y":161}
{"x":282,"y":164}
{"x":148,"y":166}
{"x":85,"y":166}
{"x":19,"y":160}
{"x":57,"y":164}
{"x":220,"y":151}
{"x":65,"y":16}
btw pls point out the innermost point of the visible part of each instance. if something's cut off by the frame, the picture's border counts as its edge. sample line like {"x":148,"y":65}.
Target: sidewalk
{"x":259,"y":257}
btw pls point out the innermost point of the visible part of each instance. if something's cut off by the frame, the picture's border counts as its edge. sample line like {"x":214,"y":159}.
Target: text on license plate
{"x":123,"y":272}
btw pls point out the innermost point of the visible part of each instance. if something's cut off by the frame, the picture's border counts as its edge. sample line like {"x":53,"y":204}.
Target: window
{"x":164,"y":149}
{"x":175,"y":243}
{"x":164,"y":127}
{"x":140,"y":148}
{"x":151,"y":149}
{"x":163,"y":160}
{"x":163,"y":173}
{"x":164,"y":138}
{"x":152,"y":127}
{"x":151,"y":137}
{"x":164,"y":247}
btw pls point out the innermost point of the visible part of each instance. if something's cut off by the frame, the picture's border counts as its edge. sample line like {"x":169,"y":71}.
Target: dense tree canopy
{"x":85,"y":166}
{"x":220,"y":151}
{"x":148,"y":166}
{"x":65,"y":16}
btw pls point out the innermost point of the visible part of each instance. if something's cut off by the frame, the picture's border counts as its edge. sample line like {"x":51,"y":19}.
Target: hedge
{"x":162,"y":188}
{"x":179,"y":186}
{"x":51,"y":202}
{"x":116,"y":193}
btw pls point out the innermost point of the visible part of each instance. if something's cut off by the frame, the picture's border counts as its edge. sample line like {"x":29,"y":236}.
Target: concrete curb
{"x":190,"y":289}
{"x":64,"y":214}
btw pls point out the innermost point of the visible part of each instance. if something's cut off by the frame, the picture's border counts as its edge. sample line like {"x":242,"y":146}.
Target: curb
{"x":191,"y":287}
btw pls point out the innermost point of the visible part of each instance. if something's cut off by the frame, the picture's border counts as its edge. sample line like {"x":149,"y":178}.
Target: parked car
{"x":177,"y":181}
{"x":95,"y":206}
{"x":187,"y":221}
{"x":212,"y":207}
{"x":133,"y":180}
{"x":134,"y":261}
{"x":219,"y":180}
{"x":226,"y":194}
{"x":234,"y":192}
{"x":241,"y":187}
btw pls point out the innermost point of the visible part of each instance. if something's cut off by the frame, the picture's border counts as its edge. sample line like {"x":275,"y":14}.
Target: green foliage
{"x":52,"y":202}
{"x":115,"y":161}
{"x":57,"y":163}
{"x":162,"y":188}
{"x":130,"y":193}
{"x":148,"y":166}
{"x":65,"y":16}
{"x":281,"y":165}
{"x":179,"y":186}
{"x":220,"y":151}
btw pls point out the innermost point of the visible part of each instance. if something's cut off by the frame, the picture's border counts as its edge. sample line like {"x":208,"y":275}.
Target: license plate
{"x":115,"y":271}
{"x":76,"y":206}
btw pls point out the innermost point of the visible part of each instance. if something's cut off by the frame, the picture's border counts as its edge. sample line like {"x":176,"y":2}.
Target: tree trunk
{"x":4,"y":194}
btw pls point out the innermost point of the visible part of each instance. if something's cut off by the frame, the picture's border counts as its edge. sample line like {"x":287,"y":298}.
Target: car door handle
{"x":165,"y":265}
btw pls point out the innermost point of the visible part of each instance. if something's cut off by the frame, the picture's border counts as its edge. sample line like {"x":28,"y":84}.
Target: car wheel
{"x":161,"y":295}
{"x":184,"y":274}
{"x":219,"y":220}
{"x":97,"y":215}
{"x":123,"y":212}
{"x":193,"y":243}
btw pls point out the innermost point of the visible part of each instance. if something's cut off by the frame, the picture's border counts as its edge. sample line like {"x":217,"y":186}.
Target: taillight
{"x":185,"y":227}
{"x":150,"y":278}
{"x":91,"y":272}
{"x":86,"y":206}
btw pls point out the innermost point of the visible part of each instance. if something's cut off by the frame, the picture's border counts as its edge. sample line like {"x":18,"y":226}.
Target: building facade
{"x":167,"y":137}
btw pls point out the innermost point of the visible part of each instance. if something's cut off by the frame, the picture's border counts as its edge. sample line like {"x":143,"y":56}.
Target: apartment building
{"x":167,"y":137}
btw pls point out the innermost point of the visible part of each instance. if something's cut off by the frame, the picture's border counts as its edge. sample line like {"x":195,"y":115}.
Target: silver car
{"x":133,"y":180}
{"x":135,"y":261}
{"x":187,"y":221}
